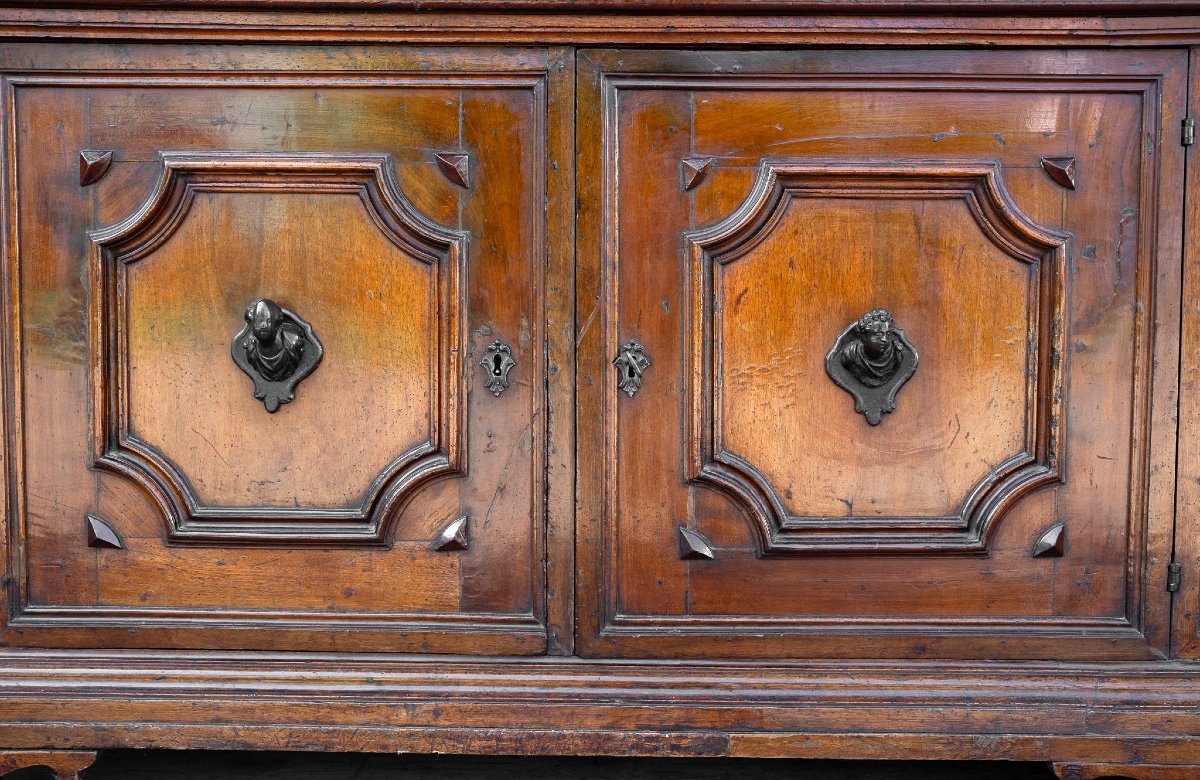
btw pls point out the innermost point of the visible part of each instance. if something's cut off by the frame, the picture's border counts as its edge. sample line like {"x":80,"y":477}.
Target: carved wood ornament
{"x":874,"y":374}
{"x":455,"y":167}
{"x":279,"y":354}
{"x":693,"y":545}
{"x":93,"y":164}
{"x":101,"y":534}
{"x":1052,"y":542}
{"x":454,"y":536}
{"x":1061,"y":170}
{"x":693,"y":171}
{"x":65,"y":764}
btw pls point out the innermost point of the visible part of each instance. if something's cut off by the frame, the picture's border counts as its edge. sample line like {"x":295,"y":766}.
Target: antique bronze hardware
{"x":277,"y":350}
{"x":871,"y":360}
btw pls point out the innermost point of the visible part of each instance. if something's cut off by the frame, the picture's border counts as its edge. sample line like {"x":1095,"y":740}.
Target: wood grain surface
{"x":978,"y":573}
{"x":739,"y":286}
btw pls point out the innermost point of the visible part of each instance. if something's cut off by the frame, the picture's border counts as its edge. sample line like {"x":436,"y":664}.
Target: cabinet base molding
{"x":1080,"y":715}
{"x":1133,"y":771}
{"x":66,"y":764}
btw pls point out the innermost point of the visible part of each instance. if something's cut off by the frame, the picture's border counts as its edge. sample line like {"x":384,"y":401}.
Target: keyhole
{"x":629,"y":370}
{"x":496,"y":365}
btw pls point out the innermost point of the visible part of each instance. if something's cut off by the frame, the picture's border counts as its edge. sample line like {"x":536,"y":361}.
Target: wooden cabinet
{"x":1002,"y":223}
{"x":272,"y":335}
{"x":617,"y":378}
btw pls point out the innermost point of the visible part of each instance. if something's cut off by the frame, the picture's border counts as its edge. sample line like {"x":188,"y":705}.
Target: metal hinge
{"x":1174,"y":577}
{"x":1189,"y":131}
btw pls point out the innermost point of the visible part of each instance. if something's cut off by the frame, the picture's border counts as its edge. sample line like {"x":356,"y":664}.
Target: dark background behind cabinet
{"x":218,"y":765}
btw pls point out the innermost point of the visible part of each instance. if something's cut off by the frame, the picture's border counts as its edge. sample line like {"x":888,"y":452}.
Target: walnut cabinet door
{"x":878,"y":353}
{"x":276,"y":346}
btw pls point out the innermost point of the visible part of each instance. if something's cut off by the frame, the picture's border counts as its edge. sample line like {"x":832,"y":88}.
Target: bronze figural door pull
{"x":276,"y":349}
{"x":871,"y":361}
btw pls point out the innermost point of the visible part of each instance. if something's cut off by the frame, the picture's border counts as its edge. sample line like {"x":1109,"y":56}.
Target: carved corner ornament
{"x":871,"y":360}
{"x":693,"y":546}
{"x":693,"y":171}
{"x":277,"y":350}
{"x":631,"y":362}
{"x":1061,"y":170}
{"x":1052,"y":542}
{"x":456,"y":167}
{"x":454,"y":536}
{"x":93,"y":164}
{"x":101,"y":534}
{"x":497,"y":362}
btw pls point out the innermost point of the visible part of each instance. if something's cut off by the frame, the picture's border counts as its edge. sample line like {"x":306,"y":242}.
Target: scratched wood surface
{"x":1059,"y":356}
{"x":376,"y":437}
{"x":829,"y":193}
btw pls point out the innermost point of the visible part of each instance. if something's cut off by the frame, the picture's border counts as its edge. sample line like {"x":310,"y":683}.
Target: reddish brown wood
{"x":746,"y":540}
{"x":559,"y":287}
{"x":1116,"y":713}
{"x":93,"y":164}
{"x":455,"y":167}
{"x":1185,"y":614}
{"x":66,"y":765}
{"x":744,"y":27}
{"x":983,"y":7}
{"x":402,"y":274}
{"x":1040,"y":397}
{"x":1131,"y":771}
{"x":1061,"y":170}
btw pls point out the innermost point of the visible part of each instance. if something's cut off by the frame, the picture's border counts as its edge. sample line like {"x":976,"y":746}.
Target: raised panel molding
{"x":117,"y":449}
{"x":977,"y":187}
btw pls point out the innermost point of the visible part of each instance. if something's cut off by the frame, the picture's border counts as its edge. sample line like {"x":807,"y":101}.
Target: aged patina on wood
{"x":599,"y":440}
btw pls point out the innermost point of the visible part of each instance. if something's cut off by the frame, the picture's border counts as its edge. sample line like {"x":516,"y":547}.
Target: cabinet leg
{"x":1072,"y":771}
{"x":66,"y":764}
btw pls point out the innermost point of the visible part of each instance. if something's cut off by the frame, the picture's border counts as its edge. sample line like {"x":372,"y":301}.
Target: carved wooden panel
{"x":768,"y":293}
{"x":841,"y":184}
{"x":166,"y":392}
{"x":313,"y":526}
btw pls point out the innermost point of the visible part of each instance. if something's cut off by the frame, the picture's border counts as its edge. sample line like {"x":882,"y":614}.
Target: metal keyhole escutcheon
{"x":497,"y":361}
{"x":631,"y":361}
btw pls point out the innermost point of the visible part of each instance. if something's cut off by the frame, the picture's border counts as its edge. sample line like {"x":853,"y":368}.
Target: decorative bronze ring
{"x":871,"y":361}
{"x":277,"y":350}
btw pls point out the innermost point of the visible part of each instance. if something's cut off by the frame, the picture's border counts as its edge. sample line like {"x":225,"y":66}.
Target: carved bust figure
{"x":875,"y":353}
{"x":277,"y":350}
{"x":871,"y":360}
{"x":275,"y":346}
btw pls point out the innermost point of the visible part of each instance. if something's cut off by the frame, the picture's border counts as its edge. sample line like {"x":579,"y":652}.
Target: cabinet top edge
{"x":898,"y":7}
{"x":614,"y":23}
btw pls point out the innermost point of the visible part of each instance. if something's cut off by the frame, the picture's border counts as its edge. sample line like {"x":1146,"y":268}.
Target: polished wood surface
{"x":1185,"y":634}
{"x":840,"y":183}
{"x":752,"y":212}
{"x":324,"y":194}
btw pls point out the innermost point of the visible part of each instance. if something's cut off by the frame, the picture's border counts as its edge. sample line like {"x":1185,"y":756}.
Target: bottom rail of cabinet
{"x":1094,"y":720}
